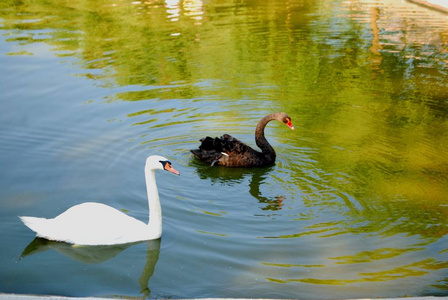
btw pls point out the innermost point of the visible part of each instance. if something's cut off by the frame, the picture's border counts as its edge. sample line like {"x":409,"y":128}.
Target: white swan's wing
{"x":89,"y":224}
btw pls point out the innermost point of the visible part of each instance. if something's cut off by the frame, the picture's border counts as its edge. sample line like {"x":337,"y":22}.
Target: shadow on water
{"x":98,"y":255}
{"x":230,"y":176}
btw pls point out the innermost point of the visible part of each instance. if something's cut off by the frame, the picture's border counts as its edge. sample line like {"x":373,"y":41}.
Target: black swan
{"x":229,"y":152}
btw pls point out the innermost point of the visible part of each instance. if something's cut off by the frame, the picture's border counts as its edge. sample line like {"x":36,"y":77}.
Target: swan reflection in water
{"x":229,"y":176}
{"x":99,"y":254}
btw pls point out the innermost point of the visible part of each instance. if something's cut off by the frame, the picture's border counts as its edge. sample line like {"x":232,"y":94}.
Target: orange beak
{"x":290,"y":125}
{"x":170,"y":169}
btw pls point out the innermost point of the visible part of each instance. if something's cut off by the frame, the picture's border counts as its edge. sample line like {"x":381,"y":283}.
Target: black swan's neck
{"x":261,"y":140}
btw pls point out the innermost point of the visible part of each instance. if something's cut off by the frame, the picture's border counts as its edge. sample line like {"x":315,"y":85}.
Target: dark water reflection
{"x":99,"y":254}
{"x":231,"y":176}
{"x":356,"y":205}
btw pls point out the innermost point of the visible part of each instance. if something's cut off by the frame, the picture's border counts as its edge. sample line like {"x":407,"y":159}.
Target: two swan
{"x":94,"y":224}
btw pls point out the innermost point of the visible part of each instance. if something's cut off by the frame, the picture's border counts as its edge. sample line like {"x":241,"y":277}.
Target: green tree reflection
{"x":368,"y":93}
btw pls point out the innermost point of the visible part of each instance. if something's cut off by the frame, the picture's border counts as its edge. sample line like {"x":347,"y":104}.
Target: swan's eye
{"x":165,"y":164}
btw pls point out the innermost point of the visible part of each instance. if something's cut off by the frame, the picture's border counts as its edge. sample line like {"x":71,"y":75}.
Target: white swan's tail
{"x":38,"y":225}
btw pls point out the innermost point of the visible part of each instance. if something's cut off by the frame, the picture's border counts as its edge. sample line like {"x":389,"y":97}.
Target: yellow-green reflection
{"x":367,"y":93}
{"x":368,"y":256}
{"x":415,"y":269}
{"x":293,"y":265}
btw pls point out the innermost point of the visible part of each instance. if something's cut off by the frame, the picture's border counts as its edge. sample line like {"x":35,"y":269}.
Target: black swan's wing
{"x":208,"y":150}
{"x":227,"y":151}
{"x":231,"y":145}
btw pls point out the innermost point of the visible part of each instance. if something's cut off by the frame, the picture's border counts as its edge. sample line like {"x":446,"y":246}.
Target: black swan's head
{"x":282,"y":117}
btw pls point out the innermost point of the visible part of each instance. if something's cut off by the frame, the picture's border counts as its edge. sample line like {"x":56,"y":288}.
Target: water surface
{"x":356,"y":205}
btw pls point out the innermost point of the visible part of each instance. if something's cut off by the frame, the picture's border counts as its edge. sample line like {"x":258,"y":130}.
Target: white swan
{"x":98,"y":224}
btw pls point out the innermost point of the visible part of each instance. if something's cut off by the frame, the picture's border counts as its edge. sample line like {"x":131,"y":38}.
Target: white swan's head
{"x":157,"y":162}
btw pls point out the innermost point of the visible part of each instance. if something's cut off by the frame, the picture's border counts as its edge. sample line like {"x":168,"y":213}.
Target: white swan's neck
{"x":155,"y":210}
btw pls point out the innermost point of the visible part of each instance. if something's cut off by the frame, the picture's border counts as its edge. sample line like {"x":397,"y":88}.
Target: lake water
{"x":356,"y":205}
